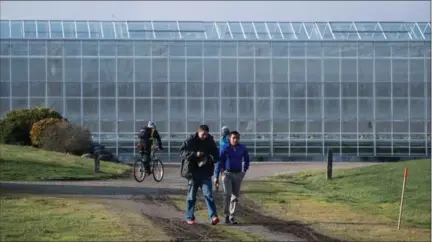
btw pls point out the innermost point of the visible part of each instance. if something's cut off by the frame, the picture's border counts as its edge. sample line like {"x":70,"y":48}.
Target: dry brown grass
{"x":360,"y":204}
{"x":343,"y":222}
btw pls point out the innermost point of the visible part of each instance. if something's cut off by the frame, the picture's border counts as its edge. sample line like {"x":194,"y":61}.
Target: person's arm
{"x":214,"y":151}
{"x":158,"y":139}
{"x":246,"y":158}
{"x":221,"y":164}
{"x":216,"y":171}
{"x":187,"y":151}
{"x":144,"y":137}
{"x":221,"y":144}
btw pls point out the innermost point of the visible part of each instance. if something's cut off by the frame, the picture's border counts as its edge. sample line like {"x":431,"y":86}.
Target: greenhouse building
{"x":292,"y":89}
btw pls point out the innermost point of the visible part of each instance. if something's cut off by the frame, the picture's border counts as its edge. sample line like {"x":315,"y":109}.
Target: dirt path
{"x":153,"y":200}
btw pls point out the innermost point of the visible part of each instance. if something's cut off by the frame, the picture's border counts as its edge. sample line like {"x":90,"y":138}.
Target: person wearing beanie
{"x":148,"y":135}
{"x":222,"y":143}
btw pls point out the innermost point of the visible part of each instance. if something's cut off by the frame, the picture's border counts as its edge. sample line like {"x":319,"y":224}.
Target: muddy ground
{"x":154,"y":201}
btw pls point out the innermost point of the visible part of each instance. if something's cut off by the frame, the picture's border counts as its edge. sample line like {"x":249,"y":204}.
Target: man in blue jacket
{"x":233,"y":172}
{"x":223,"y":142}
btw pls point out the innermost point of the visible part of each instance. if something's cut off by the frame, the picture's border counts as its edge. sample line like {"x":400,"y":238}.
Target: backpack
{"x":187,"y":166}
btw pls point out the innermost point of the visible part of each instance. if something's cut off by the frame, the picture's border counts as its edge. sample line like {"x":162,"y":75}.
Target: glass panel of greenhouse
{"x":292,"y":89}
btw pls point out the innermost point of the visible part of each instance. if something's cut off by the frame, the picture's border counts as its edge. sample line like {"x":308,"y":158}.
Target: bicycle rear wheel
{"x":158,"y":170}
{"x":139,"y":171}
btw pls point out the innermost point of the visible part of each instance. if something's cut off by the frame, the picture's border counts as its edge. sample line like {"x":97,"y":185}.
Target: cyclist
{"x":147,"y":137}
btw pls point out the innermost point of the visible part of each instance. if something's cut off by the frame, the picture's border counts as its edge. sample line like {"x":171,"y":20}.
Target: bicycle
{"x":139,"y":170}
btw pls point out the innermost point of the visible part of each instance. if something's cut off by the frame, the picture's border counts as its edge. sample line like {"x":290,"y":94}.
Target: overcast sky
{"x":218,"y":11}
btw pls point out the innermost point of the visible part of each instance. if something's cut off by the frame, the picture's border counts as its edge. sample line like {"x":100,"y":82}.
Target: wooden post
{"x":329,"y":164}
{"x":402,"y":196}
{"x":97,"y":161}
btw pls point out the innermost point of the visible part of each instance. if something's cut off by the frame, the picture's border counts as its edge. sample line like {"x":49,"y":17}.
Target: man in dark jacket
{"x":199,"y":153}
{"x":147,"y":137}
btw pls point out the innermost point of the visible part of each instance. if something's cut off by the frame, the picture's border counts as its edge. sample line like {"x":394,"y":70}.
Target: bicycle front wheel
{"x":158,"y":170}
{"x":139,"y":171}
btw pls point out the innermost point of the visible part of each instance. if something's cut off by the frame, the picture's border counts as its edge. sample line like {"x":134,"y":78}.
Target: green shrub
{"x":66,"y":137}
{"x":15,"y":126}
{"x":38,"y":127}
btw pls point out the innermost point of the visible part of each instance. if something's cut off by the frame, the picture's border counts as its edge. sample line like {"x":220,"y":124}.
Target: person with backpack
{"x":222,"y":143}
{"x":199,"y":153}
{"x":148,"y":136}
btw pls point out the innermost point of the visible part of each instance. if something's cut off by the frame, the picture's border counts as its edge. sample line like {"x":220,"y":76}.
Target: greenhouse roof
{"x":189,"y":30}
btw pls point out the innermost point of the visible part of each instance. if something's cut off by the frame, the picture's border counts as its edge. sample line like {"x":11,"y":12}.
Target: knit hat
{"x":225,"y":131}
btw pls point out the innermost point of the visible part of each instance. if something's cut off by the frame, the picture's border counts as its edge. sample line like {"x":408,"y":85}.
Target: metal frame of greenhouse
{"x":293,"y":89}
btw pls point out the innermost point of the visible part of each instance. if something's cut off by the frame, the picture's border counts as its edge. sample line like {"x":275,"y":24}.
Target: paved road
{"x":153,"y":201}
{"x":172,"y":180}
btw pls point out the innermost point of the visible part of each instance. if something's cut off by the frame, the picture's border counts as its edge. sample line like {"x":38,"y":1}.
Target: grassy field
{"x":358,"y":204}
{"x":66,"y":219}
{"x":22,"y":163}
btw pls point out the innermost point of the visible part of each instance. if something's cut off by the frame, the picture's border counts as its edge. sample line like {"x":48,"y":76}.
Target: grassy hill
{"x":359,"y":203}
{"x":22,"y":163}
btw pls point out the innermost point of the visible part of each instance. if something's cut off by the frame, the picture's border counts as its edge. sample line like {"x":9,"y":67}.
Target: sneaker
{"x":229,"y":220}
{"x":233,"y":221}
{"x":190,"y":221}
{"x":214,"y":220}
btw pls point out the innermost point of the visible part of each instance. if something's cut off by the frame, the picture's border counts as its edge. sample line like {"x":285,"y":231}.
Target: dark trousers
{"x":146,"y":159}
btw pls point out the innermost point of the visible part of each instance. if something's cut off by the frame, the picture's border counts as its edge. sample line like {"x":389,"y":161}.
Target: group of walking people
{"x":202,"y":159}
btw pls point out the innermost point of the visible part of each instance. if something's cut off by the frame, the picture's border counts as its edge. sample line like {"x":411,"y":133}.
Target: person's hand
{"x":199,"y":154}
{"x":243,"y":174}
{"x":216,"y":181}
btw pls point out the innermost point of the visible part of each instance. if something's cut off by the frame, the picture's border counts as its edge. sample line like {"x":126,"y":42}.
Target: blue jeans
{"x":206,"y":187}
